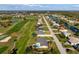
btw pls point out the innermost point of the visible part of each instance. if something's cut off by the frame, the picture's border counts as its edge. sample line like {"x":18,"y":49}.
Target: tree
{"x":34,"y":34}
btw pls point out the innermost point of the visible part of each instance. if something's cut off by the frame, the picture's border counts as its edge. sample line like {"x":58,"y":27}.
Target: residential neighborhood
{"x":39,"y":29}
{"x":34,"y":33}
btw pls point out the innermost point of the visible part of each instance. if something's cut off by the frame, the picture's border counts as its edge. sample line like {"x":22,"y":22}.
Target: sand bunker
{"x":6,"y":39}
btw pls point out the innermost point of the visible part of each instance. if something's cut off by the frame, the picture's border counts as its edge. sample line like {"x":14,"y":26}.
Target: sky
{"x":74,"y":7}
{"x":39,"y":1}
{"x":39,"y":5}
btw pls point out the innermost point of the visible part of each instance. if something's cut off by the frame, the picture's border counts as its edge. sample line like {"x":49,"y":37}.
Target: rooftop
{"x":74,"y":40}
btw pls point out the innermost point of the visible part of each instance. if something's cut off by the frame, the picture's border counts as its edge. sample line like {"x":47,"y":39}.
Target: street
{"x":59,"y":45}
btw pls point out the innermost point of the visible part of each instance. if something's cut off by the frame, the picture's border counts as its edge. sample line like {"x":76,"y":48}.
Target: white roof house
{"x":39,"y":21}
{"x":65,"y":32}
{"x":72,"y":21}
{"x":73,"y":40}
{"x":55,"y":24}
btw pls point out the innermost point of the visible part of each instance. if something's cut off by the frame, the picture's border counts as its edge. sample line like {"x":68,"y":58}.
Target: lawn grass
{"x":24,"y":40}
{"x":14,"y":28}
{"x":45,"y":28}
{"x":47,"y":38}
{"x":62,"y":38}
{"x":2,"y":29}
{"x":17,"y":27}
{"x":26,"y":36}
{"x":67,"y":46}
{"x":54,"y":49}
{"x":72,"y":52}
{"x":3,"y":48}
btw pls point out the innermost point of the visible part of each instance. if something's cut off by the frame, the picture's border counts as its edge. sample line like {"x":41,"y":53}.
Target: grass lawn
{"x":77,"y":26}
{"x":61,"y":38}
{"x":72,"y":52}
{"x":47,"y":38}
{"x":55,"y":31}
{"x":26,"y":36}
{"x":3,"y":48}
{"x":67,"y":46}
{"x":45,"y":28}
{"x":47,"y":32}
{"x":14,"y":28}
{"x":54,"y":49}
{"x":2,"y":30}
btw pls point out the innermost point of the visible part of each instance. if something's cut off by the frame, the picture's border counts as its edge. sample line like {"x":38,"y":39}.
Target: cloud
{"x":35,"y":5}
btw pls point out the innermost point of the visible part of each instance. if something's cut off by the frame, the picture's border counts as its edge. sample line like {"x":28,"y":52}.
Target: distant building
{"x":72,"y":21}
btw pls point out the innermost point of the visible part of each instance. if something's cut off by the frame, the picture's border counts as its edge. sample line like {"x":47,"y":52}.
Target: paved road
{"x":59,"y":45}
{"x":40,"y":29}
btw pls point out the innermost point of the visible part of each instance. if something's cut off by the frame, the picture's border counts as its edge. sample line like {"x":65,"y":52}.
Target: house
{"x":71,"y":21}
{"x":41,"y":43}
{"x":55,"y":24}
{"x":65,"y":32}
{"x":73,"y":40}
